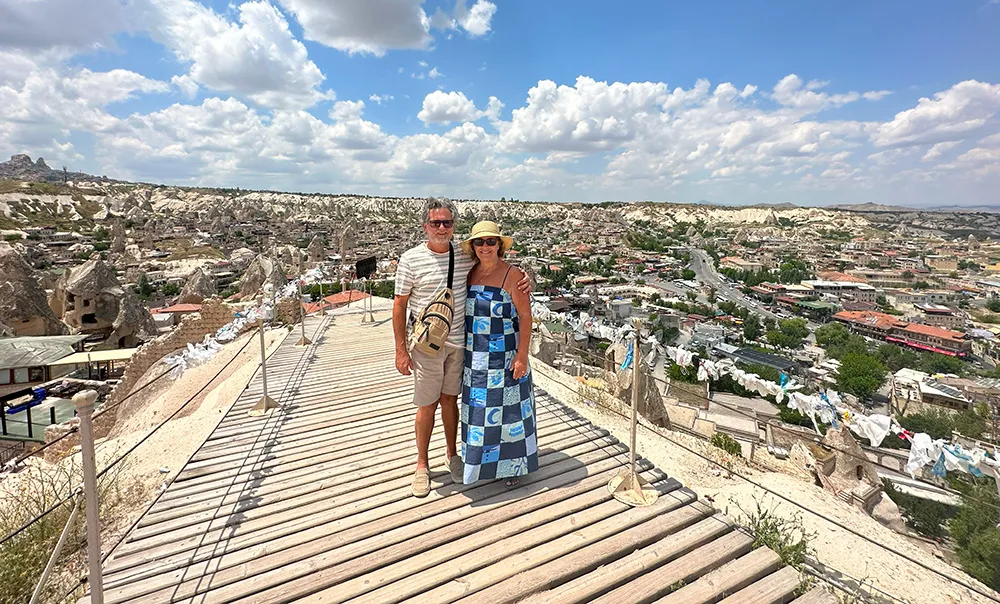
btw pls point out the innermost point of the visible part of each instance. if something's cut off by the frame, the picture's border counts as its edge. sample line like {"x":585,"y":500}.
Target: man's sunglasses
{"x":480,"y":242}
{"x":441,"y":223}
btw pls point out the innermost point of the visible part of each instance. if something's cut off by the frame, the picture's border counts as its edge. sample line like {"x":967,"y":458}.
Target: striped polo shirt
{"x":423,"y":274}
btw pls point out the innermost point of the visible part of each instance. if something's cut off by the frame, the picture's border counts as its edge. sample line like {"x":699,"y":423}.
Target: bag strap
{"x":451,"y":264}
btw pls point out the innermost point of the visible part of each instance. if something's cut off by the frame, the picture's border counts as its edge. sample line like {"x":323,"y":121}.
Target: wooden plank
{"x":816,"y":595}
{"x":355,"y":512}
{"x":661,"y":580}
{"x":416,"y":560}
{"x":276,"y":445}
{"x":673,"y":505}
{"x":332,"y":480}
{"x":300,"y":498}
{"x":729,"y":578}
{"x":282,"y":566}
{"x":382,"y":527}
{"x":776,"y":588}
{"x":586,"y":559}
{"x":610,"y":576}
{"x":352,"y":458}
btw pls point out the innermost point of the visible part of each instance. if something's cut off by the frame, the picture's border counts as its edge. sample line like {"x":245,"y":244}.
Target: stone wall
{"x":192,"y":329}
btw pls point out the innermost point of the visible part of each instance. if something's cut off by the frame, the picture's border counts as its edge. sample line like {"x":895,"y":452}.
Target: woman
{"x":498,"y":401}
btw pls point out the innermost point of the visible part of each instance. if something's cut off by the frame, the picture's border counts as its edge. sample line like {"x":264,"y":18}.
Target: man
{"x":421,"y":274}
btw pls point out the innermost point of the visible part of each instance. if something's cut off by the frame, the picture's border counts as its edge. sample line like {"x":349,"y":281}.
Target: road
{"x":704,"y":269}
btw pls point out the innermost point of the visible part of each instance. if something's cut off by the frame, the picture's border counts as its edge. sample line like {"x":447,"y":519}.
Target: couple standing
{"x":485,"y":356}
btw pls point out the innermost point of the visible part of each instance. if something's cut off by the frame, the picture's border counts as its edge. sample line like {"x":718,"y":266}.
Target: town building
{"x":941,"y":264}
{"x":737,"y":263}
{"x":935,"y":314}
{"x":894,"y":329}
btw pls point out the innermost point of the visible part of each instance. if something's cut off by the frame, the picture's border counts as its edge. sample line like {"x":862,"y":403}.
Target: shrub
{"x":786,"y":537}
{"x":727,"y":443}
{"x":23,"y":557}
{"x":924,"y":516}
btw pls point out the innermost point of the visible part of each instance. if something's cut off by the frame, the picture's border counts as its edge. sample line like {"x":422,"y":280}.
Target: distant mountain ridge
{"x":21,"y":167}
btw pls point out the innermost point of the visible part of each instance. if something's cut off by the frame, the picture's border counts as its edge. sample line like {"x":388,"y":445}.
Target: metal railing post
{"x":27,"y":413}
{"x":265,"y":403}
{"x":303,"y":341}
{"x":52,"y":414}
{"x":84,"y":402}
{"x":628,"y":487}
{"x":3,"y":418}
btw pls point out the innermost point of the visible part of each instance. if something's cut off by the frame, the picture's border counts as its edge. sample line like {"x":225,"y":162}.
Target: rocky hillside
{"x":20,"y":167}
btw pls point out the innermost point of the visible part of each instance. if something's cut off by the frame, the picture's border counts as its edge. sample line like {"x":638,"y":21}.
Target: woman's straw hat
{"x":483,"y":229}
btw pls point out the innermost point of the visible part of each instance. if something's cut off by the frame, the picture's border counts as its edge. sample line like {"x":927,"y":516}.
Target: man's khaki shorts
{"x":436,"y":375}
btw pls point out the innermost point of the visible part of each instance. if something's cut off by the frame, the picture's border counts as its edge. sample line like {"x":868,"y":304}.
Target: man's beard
{"x":439,"y":239}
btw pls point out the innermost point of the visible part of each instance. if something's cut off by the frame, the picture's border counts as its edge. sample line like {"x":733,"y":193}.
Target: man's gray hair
{"x":439,"y":203}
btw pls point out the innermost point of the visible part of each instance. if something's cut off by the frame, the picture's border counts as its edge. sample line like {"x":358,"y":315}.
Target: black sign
{"x":365,"y":268}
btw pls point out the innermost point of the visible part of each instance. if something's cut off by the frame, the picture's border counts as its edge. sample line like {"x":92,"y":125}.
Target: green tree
{"x":789,"y":334}
{"x":926,"y":517}
{"x":170,"y":289}
{"x":896,"y":357}
{"x":932,"y":362}
{"x":861,"y":375}
{"x":691,"y":295}
{"x":993,"y":304}
{"x":688,"y":274}
{"x":974,"y":530}
{"x":832,"y":334}
{"x":751,"y":328}
{"x":711,"y":296}
{"x":143,"y":287}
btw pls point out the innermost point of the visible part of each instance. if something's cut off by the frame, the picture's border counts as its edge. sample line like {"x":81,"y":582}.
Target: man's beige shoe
{"x":457,"y":468}
{"x":421,"y":483}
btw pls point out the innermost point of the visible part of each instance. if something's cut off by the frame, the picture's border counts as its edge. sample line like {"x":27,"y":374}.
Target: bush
{"x":786,"y":537}
{"x":924,"y":516}
{"x":974,"y":530}
{"x":23,"y":558}
{"x":727,"y":443}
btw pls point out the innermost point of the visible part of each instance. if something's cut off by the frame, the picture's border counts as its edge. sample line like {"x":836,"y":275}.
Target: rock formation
{"x":117,"y":238}
{"x":199,"y":286}
{"x":260,"y":271}
{"x":25,"y":310}
{"x":91,"y":300}
{"x":316,"y":252}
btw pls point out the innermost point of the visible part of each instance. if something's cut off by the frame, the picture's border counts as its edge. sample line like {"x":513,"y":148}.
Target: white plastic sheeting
{"x":826,"y":407}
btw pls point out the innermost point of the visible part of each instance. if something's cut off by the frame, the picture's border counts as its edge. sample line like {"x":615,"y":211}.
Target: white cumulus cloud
{"x":257,"y":57}
{"x":445,"y":107}
{"x":950,"y":115}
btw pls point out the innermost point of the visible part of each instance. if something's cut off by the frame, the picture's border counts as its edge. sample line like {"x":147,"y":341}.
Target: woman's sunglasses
{"x":480,"y":242}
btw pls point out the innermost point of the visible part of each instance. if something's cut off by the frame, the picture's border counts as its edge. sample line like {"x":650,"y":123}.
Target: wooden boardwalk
{"x":312,"y":503}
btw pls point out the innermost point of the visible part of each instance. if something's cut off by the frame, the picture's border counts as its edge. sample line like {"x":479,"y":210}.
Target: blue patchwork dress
{"x":497,"y":411}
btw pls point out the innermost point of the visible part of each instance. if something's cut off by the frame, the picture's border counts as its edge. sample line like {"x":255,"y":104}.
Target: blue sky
{"x":730,"y":102}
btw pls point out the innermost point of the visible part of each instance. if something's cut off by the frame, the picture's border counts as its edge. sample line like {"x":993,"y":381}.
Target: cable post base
{"x":631,"y":489}
{"x":262,"y":406}
{"x":303,"y":341}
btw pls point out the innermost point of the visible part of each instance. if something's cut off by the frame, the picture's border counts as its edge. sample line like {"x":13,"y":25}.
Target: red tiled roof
{"x":870,"y":318}
{"x":935,"y":332}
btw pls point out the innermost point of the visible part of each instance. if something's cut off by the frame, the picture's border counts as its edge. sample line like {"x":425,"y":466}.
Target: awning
{"x":97,"y":356}
{"x":925,"y":347}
